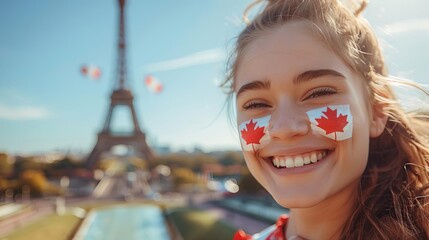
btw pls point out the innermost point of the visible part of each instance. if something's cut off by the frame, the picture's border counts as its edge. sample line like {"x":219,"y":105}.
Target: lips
{"x":299,"y":160}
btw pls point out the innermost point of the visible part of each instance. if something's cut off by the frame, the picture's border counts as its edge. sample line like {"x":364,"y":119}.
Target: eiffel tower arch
{"x":120,"y":97}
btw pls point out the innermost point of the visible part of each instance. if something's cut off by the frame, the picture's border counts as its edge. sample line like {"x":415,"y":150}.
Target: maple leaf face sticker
{"x":254,"y":133}
{"x":334,"y":122}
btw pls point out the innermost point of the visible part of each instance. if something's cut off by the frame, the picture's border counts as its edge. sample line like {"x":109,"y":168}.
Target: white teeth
{"x":298,"y":161}
{"x":276,"y":162}
{"x":307,"y":160}
{"x":313,"y":158}
{"x":289,"y":162}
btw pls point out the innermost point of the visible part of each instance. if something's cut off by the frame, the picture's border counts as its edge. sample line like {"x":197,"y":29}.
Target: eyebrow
{"x":265,"y":84}
{"x":303,"y":77}
{"x":312,"y":74}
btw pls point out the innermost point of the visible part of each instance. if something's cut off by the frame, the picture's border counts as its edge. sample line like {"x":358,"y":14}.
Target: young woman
{"x":321,"y":129}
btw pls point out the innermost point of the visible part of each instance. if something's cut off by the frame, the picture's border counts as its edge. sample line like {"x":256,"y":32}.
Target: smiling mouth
{"x":298,"y":160}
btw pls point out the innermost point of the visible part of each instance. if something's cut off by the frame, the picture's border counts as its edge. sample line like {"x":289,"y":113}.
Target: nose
{"x":288,"y":122}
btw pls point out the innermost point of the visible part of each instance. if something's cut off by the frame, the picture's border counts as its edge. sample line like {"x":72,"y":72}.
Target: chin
{"x":288,"y":201}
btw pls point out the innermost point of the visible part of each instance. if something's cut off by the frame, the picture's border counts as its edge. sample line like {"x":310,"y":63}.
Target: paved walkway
{"x":23,"y":218}
{"x":241,"y":221}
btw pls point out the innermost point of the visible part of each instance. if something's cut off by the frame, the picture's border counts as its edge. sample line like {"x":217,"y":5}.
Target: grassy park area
{"x":190,"y":223}
{"x":195,"y":224}
{"x":50,"y":227}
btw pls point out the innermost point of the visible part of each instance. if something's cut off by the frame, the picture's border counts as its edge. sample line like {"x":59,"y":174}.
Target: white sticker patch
{"x":334,"y":122}
{"x":254,"y":133}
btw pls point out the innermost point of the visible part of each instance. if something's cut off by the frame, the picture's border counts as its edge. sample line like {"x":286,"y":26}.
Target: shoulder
{"x":273,"y":232}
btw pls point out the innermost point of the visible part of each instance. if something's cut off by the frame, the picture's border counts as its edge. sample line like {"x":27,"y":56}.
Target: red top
{"x":277,"y":233}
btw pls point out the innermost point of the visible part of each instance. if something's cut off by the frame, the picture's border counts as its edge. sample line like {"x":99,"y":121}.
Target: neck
{"x":325,"y":220}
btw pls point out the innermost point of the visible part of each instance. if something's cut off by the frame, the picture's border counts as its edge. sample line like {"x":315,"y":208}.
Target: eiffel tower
{"x":121,"y":96}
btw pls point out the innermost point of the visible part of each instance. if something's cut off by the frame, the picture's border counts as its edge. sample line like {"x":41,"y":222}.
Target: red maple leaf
{"x":331,"y":123}
{"x":252,"y":135}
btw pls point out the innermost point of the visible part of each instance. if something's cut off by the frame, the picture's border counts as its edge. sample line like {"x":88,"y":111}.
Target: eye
{"x":255,"y":105}
{"x":320,"y":92}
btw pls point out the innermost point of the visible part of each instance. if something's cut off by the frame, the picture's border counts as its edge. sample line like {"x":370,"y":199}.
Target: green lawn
{"x":54,"y":227}
{"x":49,"y":227}
{"x":194,"y":224}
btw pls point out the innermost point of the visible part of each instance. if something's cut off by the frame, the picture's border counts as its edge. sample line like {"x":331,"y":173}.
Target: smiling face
{"x":285,"y":73}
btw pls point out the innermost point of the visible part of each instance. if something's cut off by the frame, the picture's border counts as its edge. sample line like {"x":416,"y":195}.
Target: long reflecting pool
{"x":125,"y":223}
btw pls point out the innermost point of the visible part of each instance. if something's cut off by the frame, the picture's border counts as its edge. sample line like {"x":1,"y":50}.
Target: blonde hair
{"x":393,"y":196}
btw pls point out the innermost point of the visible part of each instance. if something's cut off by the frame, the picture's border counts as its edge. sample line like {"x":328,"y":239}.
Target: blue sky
{"x":46,"y":104}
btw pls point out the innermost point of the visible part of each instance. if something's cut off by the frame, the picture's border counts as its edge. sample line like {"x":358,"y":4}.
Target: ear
{"x":378,"y":121}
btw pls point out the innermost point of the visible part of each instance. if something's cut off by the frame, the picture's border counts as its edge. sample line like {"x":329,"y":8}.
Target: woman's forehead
{"x":290,"y":49}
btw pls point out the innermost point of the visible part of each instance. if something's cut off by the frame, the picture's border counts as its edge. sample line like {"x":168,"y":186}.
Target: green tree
{"x":231,"y":158}
{"x":184,"y":179}
{"x":5,"y":165}
{"x":248,"y":183}
{"x":25,"y":163}
{"x":138,"y":163}
{"x":201,"y":159}
{"x":65,"y":163}
{"x":35,"y":180}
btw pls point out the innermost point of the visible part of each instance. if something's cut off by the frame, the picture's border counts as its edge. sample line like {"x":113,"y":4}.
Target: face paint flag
{"x":254,"y":133}
{"x":334,"y":122}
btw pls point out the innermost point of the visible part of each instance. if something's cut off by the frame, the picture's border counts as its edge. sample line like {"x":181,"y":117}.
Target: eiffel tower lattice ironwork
{"x":121,"y":96}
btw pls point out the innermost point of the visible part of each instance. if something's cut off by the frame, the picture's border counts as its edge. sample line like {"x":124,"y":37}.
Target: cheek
{"x":358,"y":161}
{"x":249,"y":158}
{"x":254,"y":166}
{"x":355,"y":150}
{"x":251,"y":161}
{"x":361,"y":140}
{"x":361,"y":126}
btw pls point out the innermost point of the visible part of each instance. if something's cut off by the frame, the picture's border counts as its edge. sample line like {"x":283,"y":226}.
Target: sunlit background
{"x":47,"y":104}
{"x":58,"y":68}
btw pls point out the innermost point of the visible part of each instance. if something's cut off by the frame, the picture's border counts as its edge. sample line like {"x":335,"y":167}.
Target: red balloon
{"x":91,"y":71}
{"x":153,"y":84}
{"x":84,"y":70}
